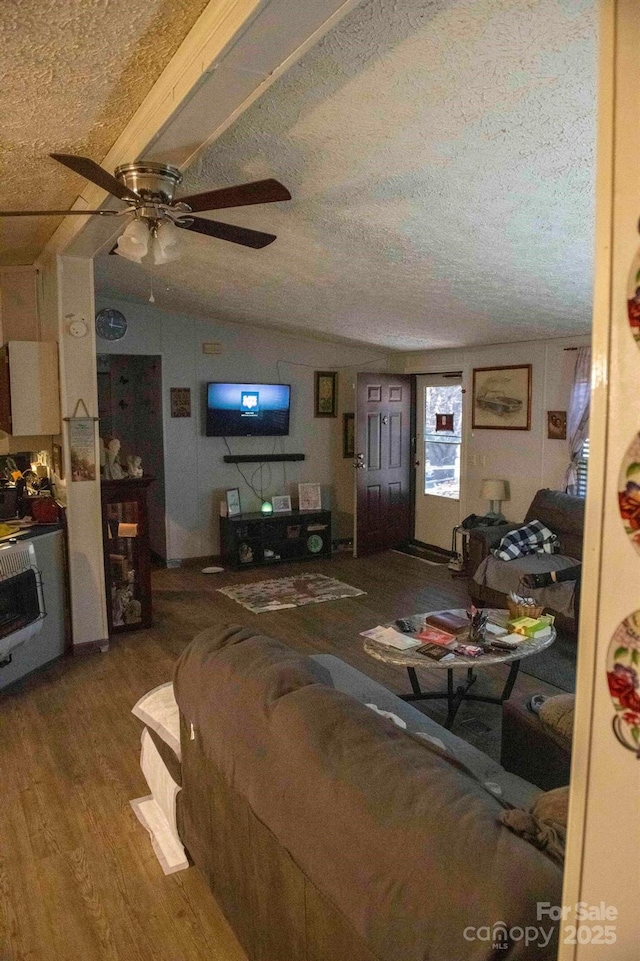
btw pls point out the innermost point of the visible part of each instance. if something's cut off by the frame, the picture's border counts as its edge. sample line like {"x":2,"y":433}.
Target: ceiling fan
{"x":147,"y":189}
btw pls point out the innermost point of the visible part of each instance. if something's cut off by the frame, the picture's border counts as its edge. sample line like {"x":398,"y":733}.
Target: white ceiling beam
{"x":234,"y":52}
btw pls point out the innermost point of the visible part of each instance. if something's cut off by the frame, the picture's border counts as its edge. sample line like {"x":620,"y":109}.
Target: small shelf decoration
{"x":502,"y":398}
{"x":326,"y":394}
{"x":309,"y":497}
{"x":233,"y":502}
{"x":281,"y":504}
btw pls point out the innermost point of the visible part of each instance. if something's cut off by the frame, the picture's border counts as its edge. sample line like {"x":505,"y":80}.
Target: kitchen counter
{"x":51,"y":642}
{"x":26,"y":533}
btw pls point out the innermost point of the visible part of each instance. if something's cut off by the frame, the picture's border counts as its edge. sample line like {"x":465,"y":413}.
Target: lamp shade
{"x":494,"y":490}
{"x":133,"y":242}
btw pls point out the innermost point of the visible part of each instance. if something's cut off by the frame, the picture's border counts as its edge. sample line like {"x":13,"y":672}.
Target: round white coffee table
{"x":456,"y":695}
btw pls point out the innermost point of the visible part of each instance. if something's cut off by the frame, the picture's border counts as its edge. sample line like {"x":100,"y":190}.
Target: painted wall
{"x":195,"y":474}
{"x":527,"y":459}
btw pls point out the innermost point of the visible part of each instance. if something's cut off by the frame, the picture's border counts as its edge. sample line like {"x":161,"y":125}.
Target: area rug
{"x":284,"y":592}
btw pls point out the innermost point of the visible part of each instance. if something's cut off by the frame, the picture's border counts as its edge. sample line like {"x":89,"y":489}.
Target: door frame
{"x":412,"y":453}
{"x":466,"y":413}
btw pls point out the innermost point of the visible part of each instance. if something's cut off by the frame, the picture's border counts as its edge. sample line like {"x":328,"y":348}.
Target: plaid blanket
{"x":533,"y":538}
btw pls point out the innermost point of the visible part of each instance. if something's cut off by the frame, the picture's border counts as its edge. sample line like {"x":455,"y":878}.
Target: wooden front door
{"x":383,"y":462}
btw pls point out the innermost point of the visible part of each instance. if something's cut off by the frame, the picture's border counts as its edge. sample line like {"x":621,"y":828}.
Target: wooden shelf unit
{"x":259,"y":540}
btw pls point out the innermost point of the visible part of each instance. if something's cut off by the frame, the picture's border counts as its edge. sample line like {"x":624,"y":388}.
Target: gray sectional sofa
{"x":327,"y":831}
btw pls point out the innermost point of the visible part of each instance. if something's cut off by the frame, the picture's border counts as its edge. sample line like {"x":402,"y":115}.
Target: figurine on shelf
{"x":134,"y":466}
{"x":112,"y":467}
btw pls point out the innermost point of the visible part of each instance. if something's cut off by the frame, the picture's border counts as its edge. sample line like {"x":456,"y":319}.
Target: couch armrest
{"x":481,"y":540}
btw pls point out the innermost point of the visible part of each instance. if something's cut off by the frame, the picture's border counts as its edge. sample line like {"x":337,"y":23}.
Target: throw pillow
{"x":545,"y":824}
{"x":556,"y":713}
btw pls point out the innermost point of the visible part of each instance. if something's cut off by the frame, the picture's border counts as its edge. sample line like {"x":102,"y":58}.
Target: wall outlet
{"x":211,"y":348}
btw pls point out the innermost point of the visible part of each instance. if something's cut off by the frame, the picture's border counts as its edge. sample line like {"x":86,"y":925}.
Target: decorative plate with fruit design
{"x":623,"y":670}
{"x":629,"y":492}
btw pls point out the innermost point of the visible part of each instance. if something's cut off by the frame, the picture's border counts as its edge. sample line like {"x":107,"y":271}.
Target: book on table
{"x":449,"y":622}
{"x":434,"y":635}
{"x":436,"y":652}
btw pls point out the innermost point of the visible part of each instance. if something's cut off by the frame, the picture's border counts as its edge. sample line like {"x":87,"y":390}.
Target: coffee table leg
{"x":415,"y":683}
{"x":511,"y":680}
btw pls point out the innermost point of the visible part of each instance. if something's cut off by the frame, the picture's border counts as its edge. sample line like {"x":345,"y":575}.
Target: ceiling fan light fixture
{"x":133,"y":242}
{"x":166,"y":243}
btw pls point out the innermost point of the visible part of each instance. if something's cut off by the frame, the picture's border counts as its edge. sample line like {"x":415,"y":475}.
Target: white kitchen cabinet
{"x":29,"y":388}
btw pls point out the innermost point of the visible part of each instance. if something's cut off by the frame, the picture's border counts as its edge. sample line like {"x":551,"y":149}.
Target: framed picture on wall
{"x":348,"y":435}
{"x":501,"y":398}
{"x":557,"y":424}
{"x":281,"y":503}
{"x":181,"y":402}
{"x":326,"y":394}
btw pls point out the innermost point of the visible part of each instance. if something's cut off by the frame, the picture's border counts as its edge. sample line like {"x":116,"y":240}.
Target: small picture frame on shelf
{"x":326,"y":394}
{"x":281,"y":504}
{"x":233,"y":502}
{"x":348,"y":435}
{"x":309,"y":497}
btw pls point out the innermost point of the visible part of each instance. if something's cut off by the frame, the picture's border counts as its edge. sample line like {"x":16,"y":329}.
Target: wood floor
{"x":78,"y":878}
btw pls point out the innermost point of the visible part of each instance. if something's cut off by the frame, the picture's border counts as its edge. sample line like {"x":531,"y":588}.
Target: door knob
{"x":359,"y":465}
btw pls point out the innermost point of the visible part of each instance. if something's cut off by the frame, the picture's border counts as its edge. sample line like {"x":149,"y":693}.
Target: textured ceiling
{"x":441,"y":159}
{"x":73,"y":73}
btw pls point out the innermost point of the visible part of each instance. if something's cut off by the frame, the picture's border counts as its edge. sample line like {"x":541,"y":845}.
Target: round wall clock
{"x":111,"y":324}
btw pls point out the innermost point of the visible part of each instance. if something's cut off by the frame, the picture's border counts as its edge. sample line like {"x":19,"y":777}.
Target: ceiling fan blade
{"x":92,"y":171}
{"x":237,"y":235}
{"x":258,"y":192}
{"x":58,"y":213}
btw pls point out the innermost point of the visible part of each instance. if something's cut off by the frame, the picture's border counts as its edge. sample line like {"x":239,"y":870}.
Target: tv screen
{"x":248,"y":410}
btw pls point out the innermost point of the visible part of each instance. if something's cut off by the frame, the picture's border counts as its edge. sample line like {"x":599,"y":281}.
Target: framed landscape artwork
{"x":326,"y":394}
{"x":502,"y":398}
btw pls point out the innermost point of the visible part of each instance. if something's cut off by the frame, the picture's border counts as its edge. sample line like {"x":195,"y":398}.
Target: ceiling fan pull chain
{"x":152,"y":299}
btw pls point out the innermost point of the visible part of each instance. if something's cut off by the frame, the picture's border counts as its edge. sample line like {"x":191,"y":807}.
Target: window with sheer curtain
{"x":578,"y":424}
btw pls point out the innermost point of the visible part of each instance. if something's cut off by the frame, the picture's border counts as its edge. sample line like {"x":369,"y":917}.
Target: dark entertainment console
{"x":257,"y":540}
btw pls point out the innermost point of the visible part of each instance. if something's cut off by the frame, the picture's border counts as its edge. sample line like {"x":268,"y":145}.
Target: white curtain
{"x":578,"y":416}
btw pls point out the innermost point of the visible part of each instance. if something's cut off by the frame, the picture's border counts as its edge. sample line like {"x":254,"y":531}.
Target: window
{"x":442,"y":447}
{"x":582,"y":469}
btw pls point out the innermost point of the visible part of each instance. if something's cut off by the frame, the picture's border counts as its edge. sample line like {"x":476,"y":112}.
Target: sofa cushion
{"x":511,"y":788}
{"x":382,"y":826}
{"x":506,"y":576}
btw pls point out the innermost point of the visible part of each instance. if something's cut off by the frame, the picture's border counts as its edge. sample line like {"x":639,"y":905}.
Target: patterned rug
{"x":283,"y":592}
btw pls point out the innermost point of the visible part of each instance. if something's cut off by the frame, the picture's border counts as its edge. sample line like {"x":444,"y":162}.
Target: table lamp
{"x":495,"y":491}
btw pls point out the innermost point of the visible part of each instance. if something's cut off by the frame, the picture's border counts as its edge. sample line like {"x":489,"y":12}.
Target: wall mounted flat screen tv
{"x":248,"y":410}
